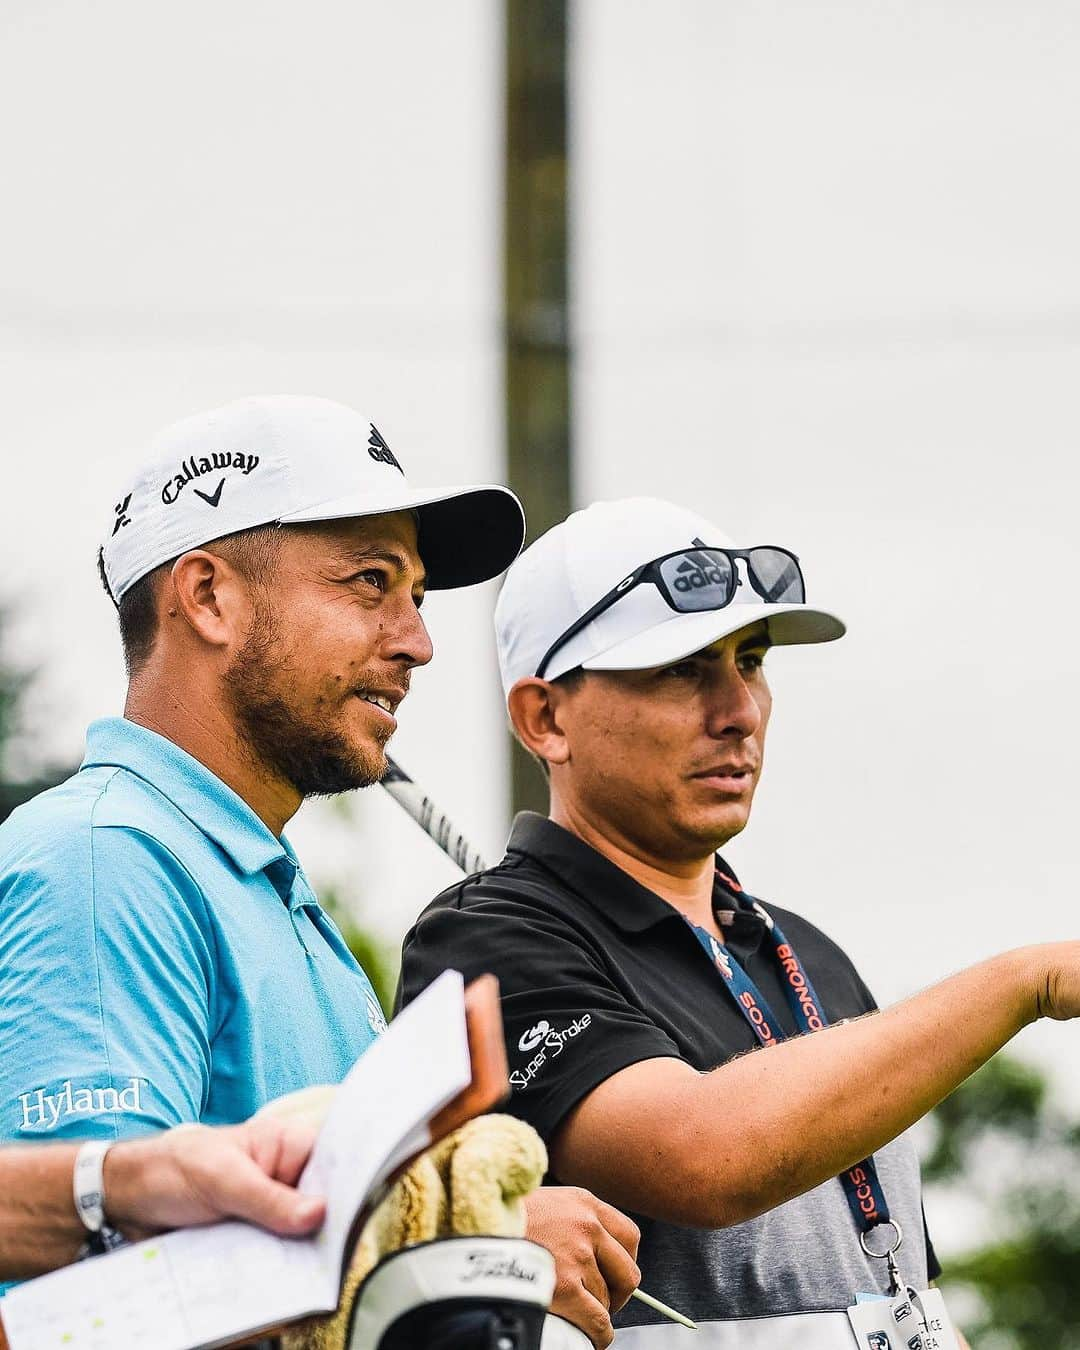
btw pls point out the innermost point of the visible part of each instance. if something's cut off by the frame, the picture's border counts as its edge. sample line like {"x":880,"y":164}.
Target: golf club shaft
{"x":430,"y":819}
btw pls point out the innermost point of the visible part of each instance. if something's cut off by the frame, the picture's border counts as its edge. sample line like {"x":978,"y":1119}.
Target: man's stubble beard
{"x":316,"y":759}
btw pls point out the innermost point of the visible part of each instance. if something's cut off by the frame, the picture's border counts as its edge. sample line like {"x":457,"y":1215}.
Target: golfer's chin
{"x":349,"y":757}
{"x":346,"y":770}
{"x":368,"y":756}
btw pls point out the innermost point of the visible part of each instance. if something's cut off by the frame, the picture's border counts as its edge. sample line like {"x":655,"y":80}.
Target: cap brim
{"x":466,"y":534}
{"x":683,"y":634}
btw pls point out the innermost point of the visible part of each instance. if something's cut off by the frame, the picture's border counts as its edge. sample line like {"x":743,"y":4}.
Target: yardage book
{"x":229,"y":1281}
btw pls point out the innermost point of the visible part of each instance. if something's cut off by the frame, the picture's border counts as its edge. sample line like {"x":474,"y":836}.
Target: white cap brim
{"x":684,"y":634}
{"x":466,"y":534}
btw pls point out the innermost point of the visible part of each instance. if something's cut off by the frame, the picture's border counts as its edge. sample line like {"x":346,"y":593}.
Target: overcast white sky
{"x":827,"y":291}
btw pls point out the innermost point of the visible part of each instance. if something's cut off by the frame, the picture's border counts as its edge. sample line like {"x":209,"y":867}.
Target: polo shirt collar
{"x":615,"y":894}
{"x":212,"y":806}
{"x":596,"y":879}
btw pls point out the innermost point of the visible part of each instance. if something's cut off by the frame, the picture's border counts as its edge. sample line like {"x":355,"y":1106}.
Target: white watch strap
{"x":88,"y":1184}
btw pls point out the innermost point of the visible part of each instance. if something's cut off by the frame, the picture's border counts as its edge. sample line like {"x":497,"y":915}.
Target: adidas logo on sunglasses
{"x":698,"y":570}
{"x":693,"y":575}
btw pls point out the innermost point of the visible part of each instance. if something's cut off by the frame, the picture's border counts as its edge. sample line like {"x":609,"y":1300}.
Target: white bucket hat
{"x":288,"y":460}
{"x":561,"y":576}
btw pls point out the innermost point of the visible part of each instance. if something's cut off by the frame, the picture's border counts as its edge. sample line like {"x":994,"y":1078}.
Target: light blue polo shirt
{"x":162,"y":956}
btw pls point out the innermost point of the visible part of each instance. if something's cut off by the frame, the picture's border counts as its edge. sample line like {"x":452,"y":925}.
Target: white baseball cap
{"x":287,"y":459}
{"x":561,"y":576}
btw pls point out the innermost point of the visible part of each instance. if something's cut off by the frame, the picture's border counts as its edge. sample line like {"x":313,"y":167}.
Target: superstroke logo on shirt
{"x":551,"y":1045}
{"x":42,"y":1111}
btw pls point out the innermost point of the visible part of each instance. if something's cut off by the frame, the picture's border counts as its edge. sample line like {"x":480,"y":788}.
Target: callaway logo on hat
{"x":630,"y":584}
{"x":288,"y":460}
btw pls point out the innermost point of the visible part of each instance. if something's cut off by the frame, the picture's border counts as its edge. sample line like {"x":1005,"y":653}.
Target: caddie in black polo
{"x":777,"y":1193}
{"x":606,"y":971}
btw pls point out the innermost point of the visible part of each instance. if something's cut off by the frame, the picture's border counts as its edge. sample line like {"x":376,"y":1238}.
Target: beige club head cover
{"x":472,"y":1183}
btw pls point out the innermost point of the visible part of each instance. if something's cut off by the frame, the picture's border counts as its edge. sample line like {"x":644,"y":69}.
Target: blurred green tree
{"x":379,"y":959}
{"x":13,"y":684}
{"x":15,"y":679}
{"x":1001,"y":1142}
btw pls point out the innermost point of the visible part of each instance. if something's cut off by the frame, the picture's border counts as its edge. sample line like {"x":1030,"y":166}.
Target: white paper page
{"x":206,"y":1286}
{"x":198,"y":1287}
{"x":90,"y":1306}
{"x":232,"y":1279}
{"x":419,"y":1064}
{"x":412,"y":1144}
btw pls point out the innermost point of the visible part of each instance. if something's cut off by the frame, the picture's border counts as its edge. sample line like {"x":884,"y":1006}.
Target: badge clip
{"x":897,"y":1283}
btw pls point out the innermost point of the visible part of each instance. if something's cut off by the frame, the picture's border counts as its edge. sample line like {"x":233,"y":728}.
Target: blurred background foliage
{"x":379,"y":958}
{"x":1000,"y":1147}
{"x":1011,"y":1157}
{"x":13,"y":682}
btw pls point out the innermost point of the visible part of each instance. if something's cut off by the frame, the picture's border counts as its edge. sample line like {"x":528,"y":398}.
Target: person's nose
{"x":733,"y":711}
{"x":408,"y":640}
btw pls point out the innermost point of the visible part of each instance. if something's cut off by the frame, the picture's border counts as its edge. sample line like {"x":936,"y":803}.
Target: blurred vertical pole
{"x":535,"y":277}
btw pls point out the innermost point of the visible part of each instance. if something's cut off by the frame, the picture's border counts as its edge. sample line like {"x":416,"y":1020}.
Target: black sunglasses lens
{"x":776,"y":577}
{"x":698,"y":579}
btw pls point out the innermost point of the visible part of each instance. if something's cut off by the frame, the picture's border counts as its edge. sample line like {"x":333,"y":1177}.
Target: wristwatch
{"x":88,"y":1187}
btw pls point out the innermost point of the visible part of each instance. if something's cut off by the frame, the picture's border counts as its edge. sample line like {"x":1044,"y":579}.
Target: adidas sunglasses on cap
{"x":630,"y":584}
{"x":290,"y":460}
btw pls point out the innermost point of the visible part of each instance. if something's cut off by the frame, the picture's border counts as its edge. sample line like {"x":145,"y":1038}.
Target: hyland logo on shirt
{"x":551,"y":1044}
{"x":42,"y":1111}
{"x":198,"y":466}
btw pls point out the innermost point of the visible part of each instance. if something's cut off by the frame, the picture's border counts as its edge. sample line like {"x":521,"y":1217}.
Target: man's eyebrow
{"x":748,"y":644}
{"x":399,"y":561}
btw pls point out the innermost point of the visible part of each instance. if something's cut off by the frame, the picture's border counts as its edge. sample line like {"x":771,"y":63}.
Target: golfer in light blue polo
{"x":162,"y":955}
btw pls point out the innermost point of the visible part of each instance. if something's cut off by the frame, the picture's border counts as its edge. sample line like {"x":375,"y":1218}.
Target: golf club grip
{"x":430,"y":819}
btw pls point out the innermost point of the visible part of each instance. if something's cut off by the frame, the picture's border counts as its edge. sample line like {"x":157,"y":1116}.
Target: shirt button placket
{"x":302,"y":926}
{"x":285,"y":878}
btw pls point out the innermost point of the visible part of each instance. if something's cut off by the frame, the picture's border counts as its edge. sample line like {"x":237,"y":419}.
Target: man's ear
{"x":211,"y":597}
{"x":535,"y":708}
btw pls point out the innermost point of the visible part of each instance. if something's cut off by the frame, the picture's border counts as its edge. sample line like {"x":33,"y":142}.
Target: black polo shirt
{"x":597,"y":973}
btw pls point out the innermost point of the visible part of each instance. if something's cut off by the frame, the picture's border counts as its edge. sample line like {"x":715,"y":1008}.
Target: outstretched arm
{"x":713,"y":1149}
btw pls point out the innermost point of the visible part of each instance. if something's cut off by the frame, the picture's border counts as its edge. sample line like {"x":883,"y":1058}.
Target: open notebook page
{"x":410,"y":1073}
{"x":209,"y":1286}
